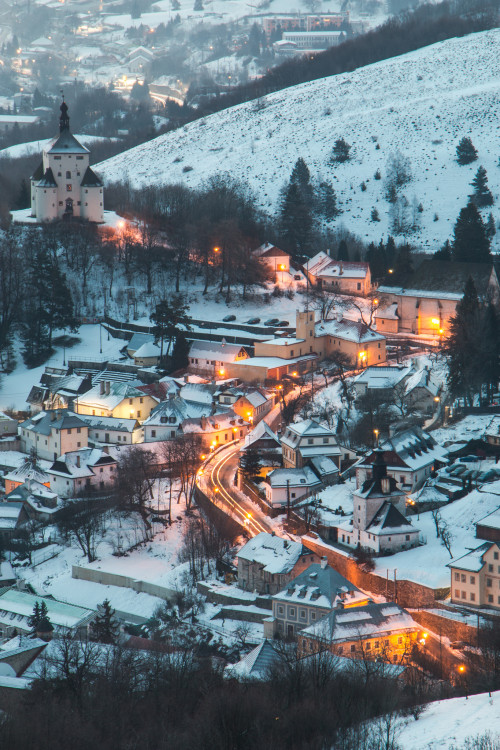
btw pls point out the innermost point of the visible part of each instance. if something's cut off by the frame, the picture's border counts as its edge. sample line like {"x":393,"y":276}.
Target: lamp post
{"x":376,"y":433}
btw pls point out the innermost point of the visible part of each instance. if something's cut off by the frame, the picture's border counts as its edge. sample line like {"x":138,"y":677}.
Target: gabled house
{"x":287,"y":487}
{"x":120,"y":400}
{"x":275,"y":259}
{"x":475,"y":577}
{"x":266,"y":563}
{"x":166,"y":419}
{"x":27,"y":471}
{"x":254,"y":404}
{"x":381,"y":380}
{"x":12,"y":517}
{"x":310,"y":596}
{"x":217,"y":429}
{"x":264,"y":440}
{"x":304,"y":440}
{"x":16,"y":607}
{"x":40,"y":502}
{"x":410,"y":456}
{"x":50,"y":433}
{"x":57,"y":391}
{"x":147,"y":355}
{"x":342,"y":277}
{"x":8,"y":426}
{"x":375,"y":631}
{"x":211,"y":358}
{"x":90,"y":469}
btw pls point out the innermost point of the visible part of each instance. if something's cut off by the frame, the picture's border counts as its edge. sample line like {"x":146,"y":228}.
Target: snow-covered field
{"x":421,"y":103}
{"x":447,"y":724}
{"x":36,"y":147}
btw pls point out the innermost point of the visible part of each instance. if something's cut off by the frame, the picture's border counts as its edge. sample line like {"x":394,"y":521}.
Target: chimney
{"x":101,"y":387}
{"x":273,"y":533}
{"x":108,"y":386}
{"x":339,"y":316}
{"x":203,"y":423}
{"x":341,"y":268}
{"x":186,"y":378}
{"x":171,"y":396}
{"x":78,"y":462}
{"x":324,"y":562}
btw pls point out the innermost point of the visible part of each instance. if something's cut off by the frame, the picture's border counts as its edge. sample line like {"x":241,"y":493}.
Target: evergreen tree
{"x":482,"y":195}
{"x":250,"y":462}
{"x":198,"y":5}
{"x":39,"y":613}
{"x":462,"y":346}
{"x":341,"y":151}
{"x":180,"y":352}
{"x":390,"y":251}
{"x":296,"y":218}
{"x":375,"y":215}
{"x":168,"y":317}
{"x":301,"y":176}
{"x":254,"y":38}
{"x":466,"y":153}
{"x":327,"y":201}
{"x":444,"y":253}
{"x":343,"y":251}
{"x":105,"y":627}
{"x":491,"y":229}
{"x":470,"y":243}
{"x":489,"y":350}
{"x":403,"y":265}
{"x":377,"y":260}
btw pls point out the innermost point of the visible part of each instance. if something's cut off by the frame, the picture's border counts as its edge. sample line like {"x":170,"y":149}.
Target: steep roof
{"x":66,"y":143}
{"x":118,"y":391}
{"x":38,"y":173}
{"x":369,"y":621}
{"x":473,"y":560}
{"x":322,"y":587}
{"x":90,"y":179}
{"x":389,"y":520}
{"x":322,"y":265}
{"x":113,"y":424}
{"x":293,"y":477}
{"x":256,"y":664}
{"x":48,"y":180}
{"x":349,"y":330}
{"x":67,"y":464}
{"x":219,"y":351}
{"x":57,"y":419}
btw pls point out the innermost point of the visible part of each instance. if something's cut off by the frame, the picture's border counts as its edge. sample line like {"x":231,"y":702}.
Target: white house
{"x":165,"y":421}
{"x":287,"y":486}
{"x":51,"y":433}
{"x":211,"y":358}
{"x":111,"y":430}
{"x":339,"y":276}
{"x":88,"y":469}
{"x":304,"y":440}
{"x":64,"y":185}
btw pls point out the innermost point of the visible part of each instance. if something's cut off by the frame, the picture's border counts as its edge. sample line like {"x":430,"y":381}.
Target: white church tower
{"x":64,"y":186}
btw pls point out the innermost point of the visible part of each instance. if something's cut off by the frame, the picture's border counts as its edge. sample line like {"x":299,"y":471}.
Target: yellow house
{"x":119,"y":400}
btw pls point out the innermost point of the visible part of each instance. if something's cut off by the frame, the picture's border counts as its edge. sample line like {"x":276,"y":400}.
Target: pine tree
{"x":377,"y":260}
{"x":482,"y":195}
{"x":105,"y":627}
{"x":250,"y":462}
{"x":296,"y":218}
{"x":327,"y":201}
{"x":489,"y":350}
{"x":470,"y":243}
{"x":466,"y":153}
{"x":444,"y":253}
{"x":375,"y":215}
{"x":343,"y":251}
{"x":180,"y":352}
{"x":390,"y":251}
{"x":491,"y":229}
{"x":40,"y":612}
{"x":302,"y":178}
{"x":462,"y":346}
{"x":341,"y":151}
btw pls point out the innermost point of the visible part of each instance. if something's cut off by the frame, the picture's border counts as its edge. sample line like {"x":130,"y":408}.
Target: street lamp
{"x":376,"y":433}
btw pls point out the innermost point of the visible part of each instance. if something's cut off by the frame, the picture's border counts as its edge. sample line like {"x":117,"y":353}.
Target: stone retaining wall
{"x":115,"y":579}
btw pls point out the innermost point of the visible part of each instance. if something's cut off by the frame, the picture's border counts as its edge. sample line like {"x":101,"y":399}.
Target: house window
{"x":463,"y":577}
{"x":280,"y":610}
{"x":473,"y":597}
{"x":359,"y":286}
{"x":69,"y":188}
{"x":495,"y":555}
{"x":407,"y":537}
{"x":141,"y":400}
{"x":326,"y":440}
{"x":292,"y":494}
{"x":353,"y":648}
{"x":78,"y":430}
{"x":490,"y":568}
{"x":69,"y":433}
{"x":310,"y":441}
{"x":464,"y":595}
{"x":60,"y":203}
{"x":291,"y":612}
{"x":400,"y":641}
{"x":489,"y":582}
{"x":153,"y":433}
{"x":368,"y":646}
{"x":68,"y":175}
{"x":313,"y":615}
{"x":377,"y":644}
{"x":473,"y":579}
{"x":490,"y":599}
{"x":303,"y":614}
{"x":130,"y":401}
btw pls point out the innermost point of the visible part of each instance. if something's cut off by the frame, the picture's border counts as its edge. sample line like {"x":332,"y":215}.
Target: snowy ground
{"x":15,"y":387}
{"x":447,"y":724}
{"x":471,"y":427}
{"x":417,"y":103}
{"x":36,"y":147}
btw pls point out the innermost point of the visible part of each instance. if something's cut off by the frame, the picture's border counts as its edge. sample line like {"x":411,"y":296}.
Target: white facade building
{"x":64,"y":186}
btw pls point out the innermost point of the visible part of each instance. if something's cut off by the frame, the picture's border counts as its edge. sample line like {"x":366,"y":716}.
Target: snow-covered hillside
{"x":421,"y":103}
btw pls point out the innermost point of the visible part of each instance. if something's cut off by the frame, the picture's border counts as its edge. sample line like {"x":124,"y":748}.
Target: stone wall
{"x":405,"y":593}
{"x":454,"y":629}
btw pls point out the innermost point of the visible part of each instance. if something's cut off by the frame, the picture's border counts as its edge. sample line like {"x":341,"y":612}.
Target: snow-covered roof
{"x":390,"y":312}
{"x":21,"y":603}
{"x":256,"y":664}
{"x":310,"y":428}
{"x":324,"y":266}
{"x":370,"y":621}
{"x":111,"y":424}
{"x":415,"y":448}
{"x":271,"y":363}
{"x":80,"y":463}
{"x":27,"y":470}
{"x":66,"y":143}
{"x":213,"y":423}
{"x":389,"y":520}
{"x":255,"y":398}
{"x":269,"y":251}
{"x":148,"y":349}
{"x":304,"y":477}
{"x":275,"y":554}
{"x":261,"y":430}
{"x":175,"y":410}
{"x":473,"y":560}
{"x":492,"y":520}
{"x":349,"y":330}
{"x":320,"y":586}
{"x":423,"y":379}
{"x":323,"y":466}
{"x":217,"y":351}
{"x":383,"y":376}
{"x":118,"y":391}
{"x":58,"y":419}
{"x":9,"y":515}
{"x":138,"y":339}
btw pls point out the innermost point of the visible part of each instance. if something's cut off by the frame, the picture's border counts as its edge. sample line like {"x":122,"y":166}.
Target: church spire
{"x":64,"y":118}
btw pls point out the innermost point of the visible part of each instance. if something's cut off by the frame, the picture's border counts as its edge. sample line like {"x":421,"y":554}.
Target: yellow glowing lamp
{"x":435,"y":321}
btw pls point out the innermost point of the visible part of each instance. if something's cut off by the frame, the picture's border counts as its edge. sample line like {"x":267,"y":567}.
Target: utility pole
{"x":288,"y":500}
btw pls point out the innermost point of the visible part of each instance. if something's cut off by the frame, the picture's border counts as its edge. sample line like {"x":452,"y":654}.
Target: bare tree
{"x":84,"y":521}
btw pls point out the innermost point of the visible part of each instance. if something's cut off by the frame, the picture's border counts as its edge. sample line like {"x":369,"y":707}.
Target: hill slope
{"x":421,"y":103}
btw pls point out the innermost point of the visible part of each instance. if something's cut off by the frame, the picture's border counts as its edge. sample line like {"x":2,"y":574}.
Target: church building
{"x":64,"y":186}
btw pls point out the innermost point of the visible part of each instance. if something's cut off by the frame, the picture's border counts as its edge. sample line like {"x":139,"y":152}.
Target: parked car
{"x":272,"y":322}
{"x":469,"y":459}
{"x":283,"y":323}
{"x":229,"y":318}
{"x":253,"y":321}
{"x":297,"y":277}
